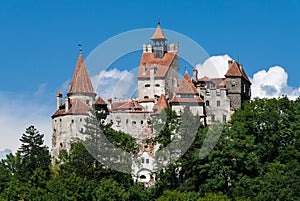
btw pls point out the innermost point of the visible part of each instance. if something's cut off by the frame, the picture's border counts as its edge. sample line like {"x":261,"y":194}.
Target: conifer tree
{"x":33,"y":153}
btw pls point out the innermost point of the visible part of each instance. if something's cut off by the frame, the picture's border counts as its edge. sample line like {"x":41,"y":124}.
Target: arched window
{"x":145,"y":97}
{"x":142,"y":177}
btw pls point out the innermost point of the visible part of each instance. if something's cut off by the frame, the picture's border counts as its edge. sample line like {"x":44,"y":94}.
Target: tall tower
{"x":238,"y":84}
{"x":69,"y":119}
{"x":158,"y":67}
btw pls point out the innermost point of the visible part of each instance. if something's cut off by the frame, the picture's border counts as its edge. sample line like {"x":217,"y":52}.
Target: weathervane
{"x":80,"y":47}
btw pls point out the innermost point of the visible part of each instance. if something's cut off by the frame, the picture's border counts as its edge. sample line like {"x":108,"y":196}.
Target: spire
{"x":158,"y":34}
{"x":81,"y":82}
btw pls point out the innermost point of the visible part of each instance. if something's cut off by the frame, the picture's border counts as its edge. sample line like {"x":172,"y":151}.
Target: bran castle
{"x":212,"y":99}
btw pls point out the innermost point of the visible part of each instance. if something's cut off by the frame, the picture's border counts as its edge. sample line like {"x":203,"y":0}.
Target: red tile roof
{"x":100,"y":101}
{"x":162,"y":64}
{"x":236,"y":70}
{"x":127,"y":105}
{"x":186,"y":100}
{"x":186,"y":86}
{"x":146,"y":100}
{"x":81,"y":82}
{"x":76,"y":107}
{"x":158,"y":34}
{"x":161,"y":104}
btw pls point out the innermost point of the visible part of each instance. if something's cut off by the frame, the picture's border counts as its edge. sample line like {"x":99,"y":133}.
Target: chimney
{"x":67,"y":104}
{"x":230,"y":62}
{"x":195,"y":74}
{"x":241,"y":67}
{"x":58,"y":99}
{"x":144,"y":48}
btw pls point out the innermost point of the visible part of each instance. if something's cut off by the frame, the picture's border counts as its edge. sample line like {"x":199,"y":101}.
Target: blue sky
{"x":39,"y":44}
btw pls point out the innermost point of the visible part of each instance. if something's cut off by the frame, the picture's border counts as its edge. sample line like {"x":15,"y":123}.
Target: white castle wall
{"x":66,"y":129}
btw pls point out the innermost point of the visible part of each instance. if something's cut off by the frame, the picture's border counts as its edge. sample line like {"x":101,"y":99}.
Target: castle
{"x":212,"y":99}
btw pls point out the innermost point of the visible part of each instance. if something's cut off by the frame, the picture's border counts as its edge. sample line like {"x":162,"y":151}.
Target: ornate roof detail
{"x":81,"y":82}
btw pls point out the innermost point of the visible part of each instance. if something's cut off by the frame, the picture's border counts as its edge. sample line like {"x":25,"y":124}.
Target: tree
{"x":110,"y":190}
{"x":33,"y":153}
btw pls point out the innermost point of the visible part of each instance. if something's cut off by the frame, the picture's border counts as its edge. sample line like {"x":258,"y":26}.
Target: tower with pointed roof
{"x":158,"y":67}
{"x":69,"y":119}
{"x":238,"y":84}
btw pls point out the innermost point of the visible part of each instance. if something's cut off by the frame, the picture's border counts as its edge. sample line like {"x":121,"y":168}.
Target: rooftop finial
{"x":158,"y":20}
{"x":186,"y":68}
{"x":80,"y":47}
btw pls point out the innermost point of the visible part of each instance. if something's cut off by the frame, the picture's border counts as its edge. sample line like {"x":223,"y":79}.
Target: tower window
{"x":213,"y":118}
{"x":147,"y":85}
{"x":224,"y":118}
{"x":147,"y":160}
{"x":142,"y":121}
{"x":157,"y":85}
{"x":207,"y":103}
{"x":145,"y":97}
{"x":72,"y":120}
{"x":218,"y":103}
{"x":133,"y":122}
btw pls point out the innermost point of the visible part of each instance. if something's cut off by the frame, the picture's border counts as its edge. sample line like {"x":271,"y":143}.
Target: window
{"x":126,"y":121}
{"x":145,"y":97}
{"x":87,"y":102}
{"x":60,"y":120}
{"x":142,"y":177}
{"x":147,"y":160}
{"x":147,"y":85}
{"x":224,"y":118}
{"x":213,"y":118}
{"x":143,"y":160}
{"x":207,"y":103}
{"x":218,"y":103}
{"x":157,"y":85}
{"x":142,"y":121}
{"x":133,"y":122}
{"x":233,"y":84}
{"x":72,"y":120}
{"x":80,"y":120}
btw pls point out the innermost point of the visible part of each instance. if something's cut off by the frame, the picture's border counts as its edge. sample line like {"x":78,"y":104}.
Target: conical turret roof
{"x":158,"y":34}
{"x":81,"y":82}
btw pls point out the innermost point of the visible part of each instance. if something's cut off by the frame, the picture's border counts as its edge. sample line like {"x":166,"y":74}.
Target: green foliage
{"x":256,"y":158}
{"x":33,"y":153}
{"x":109,"y":190}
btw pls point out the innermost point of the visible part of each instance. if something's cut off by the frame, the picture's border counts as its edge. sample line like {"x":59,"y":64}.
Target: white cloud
{"x":115,"y":83}
{"x":19,"y":111}
{"x":214,"y":67}
{"x":265,"y":84}
{"x":272,"y":83}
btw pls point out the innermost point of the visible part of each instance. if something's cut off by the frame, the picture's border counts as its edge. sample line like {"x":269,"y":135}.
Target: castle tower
{"x":69,"y":119}
{"x":158,"y":67}
{"x":238,"y":84}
